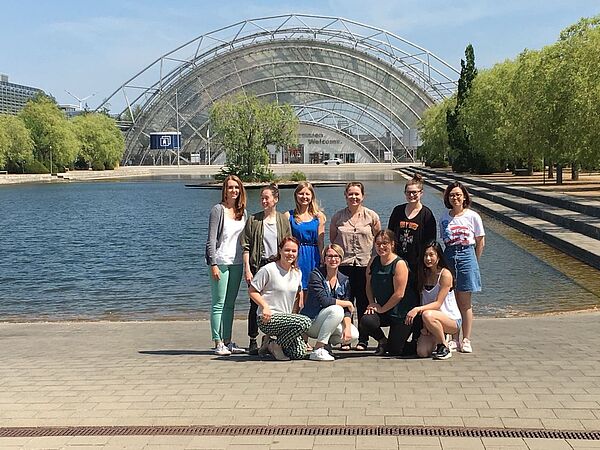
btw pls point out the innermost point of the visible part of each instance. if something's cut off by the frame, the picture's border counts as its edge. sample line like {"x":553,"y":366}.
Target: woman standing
{"x":277,"y":291}
{"x":224,"y":258}
{"x":462,"y":231}
{"x":389,"y":298}
{"x":413,"y":223}
{"x":260,"y":241}
{"x":438,"y":305}
{"x":353,"y":228}
{"x":328,"y":306}
{"x":307,"y":223}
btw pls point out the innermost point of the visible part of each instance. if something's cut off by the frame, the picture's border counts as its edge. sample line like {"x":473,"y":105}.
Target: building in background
{"x":13,"y":97}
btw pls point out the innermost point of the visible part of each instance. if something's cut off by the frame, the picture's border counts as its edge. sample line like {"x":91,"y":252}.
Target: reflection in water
{"x":133,"y":251}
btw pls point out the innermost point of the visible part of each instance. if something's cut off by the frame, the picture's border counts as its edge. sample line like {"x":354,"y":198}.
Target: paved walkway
{"x":537,"y":372}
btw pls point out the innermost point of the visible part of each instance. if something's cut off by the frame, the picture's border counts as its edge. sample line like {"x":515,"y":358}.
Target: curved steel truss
{"x":362,"y":82}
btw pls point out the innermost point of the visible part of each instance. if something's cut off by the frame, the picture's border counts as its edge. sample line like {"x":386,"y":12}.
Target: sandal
{"x":360,"y":347}
{"x":345,"y":347}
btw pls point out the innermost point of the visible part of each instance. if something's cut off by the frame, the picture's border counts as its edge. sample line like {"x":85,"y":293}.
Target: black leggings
{"x":371,"y":324}
{"x":357,"y":276}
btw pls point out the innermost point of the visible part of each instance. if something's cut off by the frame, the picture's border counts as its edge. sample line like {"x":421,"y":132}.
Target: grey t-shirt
{"x":278,"y":287}
{"x":269,"y":240}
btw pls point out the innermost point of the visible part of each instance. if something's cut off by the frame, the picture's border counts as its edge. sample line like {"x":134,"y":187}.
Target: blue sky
{"x":94,"y":46}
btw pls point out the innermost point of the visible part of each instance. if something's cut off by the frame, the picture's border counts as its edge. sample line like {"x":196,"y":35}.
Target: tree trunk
{"x":575,"y":172}
{"x":550,"y":170}
{"x":559,"y":174}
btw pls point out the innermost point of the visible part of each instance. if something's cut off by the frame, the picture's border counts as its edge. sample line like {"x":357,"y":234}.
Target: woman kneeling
{"x":329,"y":307}
{"x":277,"y":290}
{"x":440,"y":312}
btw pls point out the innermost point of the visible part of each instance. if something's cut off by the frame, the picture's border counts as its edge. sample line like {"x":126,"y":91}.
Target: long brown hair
{"x":441,"y":264}
{"x":240,"y":202}
{"x":313,"y":206}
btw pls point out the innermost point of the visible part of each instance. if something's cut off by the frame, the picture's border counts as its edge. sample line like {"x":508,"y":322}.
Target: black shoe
{"x":252,"y":347}
{"x":381,"y":350}
{"x":442,"y":352}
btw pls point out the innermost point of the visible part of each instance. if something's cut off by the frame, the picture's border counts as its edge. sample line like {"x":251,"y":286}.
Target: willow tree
{"x":16,"y":146}
{"x":244,"y":126}
{"x":101,"y":142}
{"x":434,"y":149}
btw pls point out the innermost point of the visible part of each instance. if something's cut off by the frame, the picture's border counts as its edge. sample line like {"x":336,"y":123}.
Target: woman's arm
{"x":445,"y":285}
{"x":321,"y":232}
{"x":299,"y":302}
{"x":317,"y":290}
{"x":260,"y":301}
{"x":430,"y":228}
{"x":400,"y":280}
{"x":479,"y":245}
{"x":333,"y":231}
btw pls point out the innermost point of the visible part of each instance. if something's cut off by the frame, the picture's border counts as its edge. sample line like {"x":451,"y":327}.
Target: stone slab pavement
{"x":534,"y":372}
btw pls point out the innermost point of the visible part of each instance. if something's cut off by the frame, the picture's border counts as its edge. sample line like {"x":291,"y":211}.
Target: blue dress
{"x":308,"y":254}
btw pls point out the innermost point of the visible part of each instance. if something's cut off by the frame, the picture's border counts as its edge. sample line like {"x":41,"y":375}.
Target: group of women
{"x":300,"y":288}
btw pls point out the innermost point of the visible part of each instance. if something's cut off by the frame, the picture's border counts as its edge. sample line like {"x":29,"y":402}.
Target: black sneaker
{"x":252,"y":347}
{"x":442,"y":352}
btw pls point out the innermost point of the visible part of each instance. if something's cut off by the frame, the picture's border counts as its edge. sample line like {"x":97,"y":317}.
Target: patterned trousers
{"x":289,"y":329}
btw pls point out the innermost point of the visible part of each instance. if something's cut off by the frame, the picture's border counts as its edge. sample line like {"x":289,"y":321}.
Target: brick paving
{"x":536,"y":372}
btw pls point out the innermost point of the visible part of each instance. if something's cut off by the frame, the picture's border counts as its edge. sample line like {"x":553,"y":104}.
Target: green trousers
{"x":224,"y":293}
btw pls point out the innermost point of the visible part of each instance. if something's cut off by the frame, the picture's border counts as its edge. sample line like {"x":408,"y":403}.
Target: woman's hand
{"x":346,"y":335}
{"x":373,"y":308}
{"x":266,"y":314}
{"x":410,"y":316}
{"x":347,"y":304}
{"x":248,"y":276}
{"x":215,"y":273}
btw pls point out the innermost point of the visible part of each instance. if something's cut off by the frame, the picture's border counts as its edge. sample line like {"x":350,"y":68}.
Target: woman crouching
{"x":329,"y":306}
{"x":277,"y":290}
{"x":440,"y":312}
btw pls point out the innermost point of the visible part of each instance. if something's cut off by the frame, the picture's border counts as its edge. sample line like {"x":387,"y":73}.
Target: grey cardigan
{"x":215,"y":233}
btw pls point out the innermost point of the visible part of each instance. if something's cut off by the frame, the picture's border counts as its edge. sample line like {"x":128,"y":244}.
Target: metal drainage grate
{"x":297,"y":430}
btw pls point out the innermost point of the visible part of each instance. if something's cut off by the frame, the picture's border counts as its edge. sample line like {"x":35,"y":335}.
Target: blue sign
{"x":165,"y":141}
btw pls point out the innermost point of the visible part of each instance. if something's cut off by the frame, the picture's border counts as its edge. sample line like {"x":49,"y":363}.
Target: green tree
{"x":244,"y":126}
{"x":458,"y":138}
{"x":52,"y":134}
{"x":434,"y":149}
{"x":102,"y":144}
{"x":16,"y":145}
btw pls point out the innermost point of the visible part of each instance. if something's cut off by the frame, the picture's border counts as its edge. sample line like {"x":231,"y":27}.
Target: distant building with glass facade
{"x":13,"y":97}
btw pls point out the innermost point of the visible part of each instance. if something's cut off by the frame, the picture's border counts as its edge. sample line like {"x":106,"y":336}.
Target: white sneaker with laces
{"x":320,"y":354}
{"x":234,"y":349}
{"x":452,"y":345}
{"x":222,"y":350}
{"x":466,"y":346}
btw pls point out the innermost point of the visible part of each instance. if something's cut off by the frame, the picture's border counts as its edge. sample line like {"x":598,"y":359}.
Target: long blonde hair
{"x":313,"y":206}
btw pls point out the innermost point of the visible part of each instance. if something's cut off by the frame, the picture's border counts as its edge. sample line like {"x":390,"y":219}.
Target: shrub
{"x":297,"y":175}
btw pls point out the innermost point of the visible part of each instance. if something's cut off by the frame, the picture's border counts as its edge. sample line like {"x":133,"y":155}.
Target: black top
{"x":412,"y":234}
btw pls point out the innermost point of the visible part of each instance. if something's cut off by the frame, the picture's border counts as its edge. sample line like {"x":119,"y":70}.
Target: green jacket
{"x":252,"y":237}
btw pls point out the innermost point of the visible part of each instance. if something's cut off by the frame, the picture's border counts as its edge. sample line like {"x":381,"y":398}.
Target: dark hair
{"x":284,"y":241}
{"x":389,"y":235}
{"x":442,"y":263}
{"x":416,"y":179}
{"x":355,"y":183}
{"x":240,"y":202}
{"x":273,"y":188}
{"x":466,"y":196}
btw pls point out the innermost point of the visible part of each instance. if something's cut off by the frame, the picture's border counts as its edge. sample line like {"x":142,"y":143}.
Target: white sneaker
{"x":320,"y":354}
{"x":466,"y":346}
{"x":452,"y":345}
{"x":234,"y":349}
{"x":222,"y":350}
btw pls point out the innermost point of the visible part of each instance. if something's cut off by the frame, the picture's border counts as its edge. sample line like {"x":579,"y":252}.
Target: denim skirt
{"x":462,"y":259}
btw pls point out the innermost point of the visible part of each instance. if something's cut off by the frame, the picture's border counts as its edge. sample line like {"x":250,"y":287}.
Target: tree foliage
{"x":101,"y":142}
{"x":542,"y":106}
{"x":244,"y":126}
{"x":16,"y":145}
{"x":50,"y":131}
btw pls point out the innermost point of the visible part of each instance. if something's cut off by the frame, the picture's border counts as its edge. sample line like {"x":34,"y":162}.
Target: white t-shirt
{"x":278,"y":287}
{"x":449,"y":307}
{"x":461,"y":230}
{"x":230,"y":250}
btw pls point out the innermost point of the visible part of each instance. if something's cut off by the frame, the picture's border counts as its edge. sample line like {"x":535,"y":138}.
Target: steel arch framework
{"x":359,"y":81}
